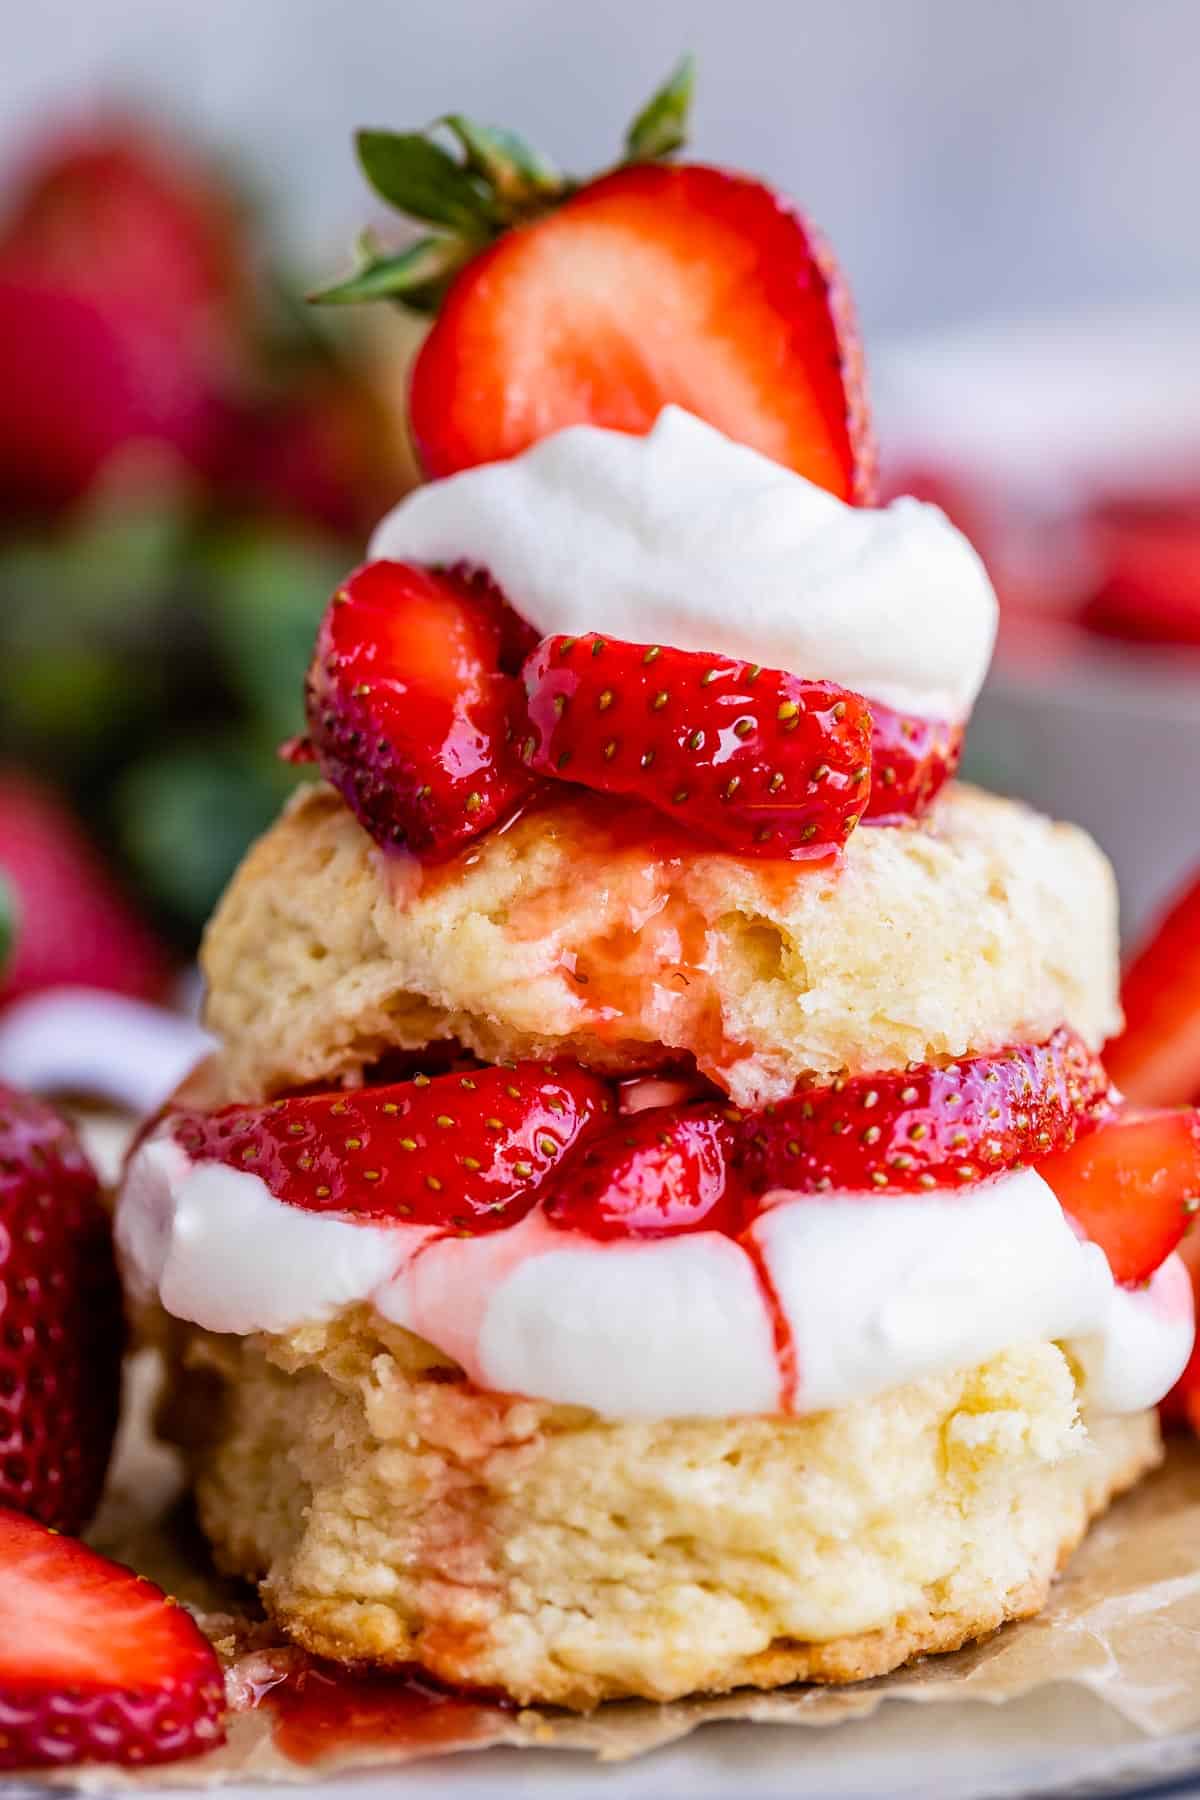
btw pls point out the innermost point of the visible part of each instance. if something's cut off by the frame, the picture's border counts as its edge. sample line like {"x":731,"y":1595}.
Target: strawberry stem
{"x":661,"y":127}
{"x":499,"y":181}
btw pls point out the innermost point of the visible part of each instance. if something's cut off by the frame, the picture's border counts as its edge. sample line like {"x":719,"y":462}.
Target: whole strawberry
{"x":60,"y":1319}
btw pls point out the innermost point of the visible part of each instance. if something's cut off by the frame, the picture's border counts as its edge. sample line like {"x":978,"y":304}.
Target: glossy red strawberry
{"x":651,"y":286}
{"x":761,"y":762}
{"x":1133,"y":1185}
{"x":1156,"y":1059}
{"x":467,"y":1152}
{"x":61,"y":1326}
{"x":410,"y":709}
{"x":73,"y":927}
{"x":911,"y":761}
{"x":96,"y":1664}
{"x":927,"y":1127}
{"x":656,"y":1174}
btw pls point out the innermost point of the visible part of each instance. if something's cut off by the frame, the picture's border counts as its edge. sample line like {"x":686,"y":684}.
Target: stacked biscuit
{"x":396,"y":1513}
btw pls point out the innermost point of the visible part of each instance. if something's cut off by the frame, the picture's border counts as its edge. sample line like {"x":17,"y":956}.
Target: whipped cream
{"x":873,"y":1292}
{"x":685,"y":538}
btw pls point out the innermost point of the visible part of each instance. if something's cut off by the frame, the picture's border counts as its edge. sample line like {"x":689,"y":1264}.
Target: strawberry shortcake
{"x":658,"y":1219}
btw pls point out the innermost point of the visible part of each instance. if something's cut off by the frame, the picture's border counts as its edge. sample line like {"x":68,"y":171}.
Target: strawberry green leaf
{"x":661,"y":127}
{"x":8,"y":923}
{"x":421,"y":179}
{"x":415,"y":276}
{"x":516,"y":173}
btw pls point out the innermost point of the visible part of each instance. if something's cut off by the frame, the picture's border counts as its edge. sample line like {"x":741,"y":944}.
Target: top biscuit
{"x":984,"y":925}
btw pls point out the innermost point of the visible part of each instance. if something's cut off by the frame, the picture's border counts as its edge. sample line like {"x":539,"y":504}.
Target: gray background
{"x":970,"y":158}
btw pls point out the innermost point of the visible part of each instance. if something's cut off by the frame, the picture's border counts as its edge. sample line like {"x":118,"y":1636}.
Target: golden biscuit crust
{"x":395,"y":1514}
{"x":984,"y":925}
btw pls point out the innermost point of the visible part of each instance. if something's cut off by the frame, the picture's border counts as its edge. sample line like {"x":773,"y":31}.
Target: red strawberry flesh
{"x":662,"y":1172}
{"x":409,"y":710}
{"x":1156,"y":1059}
{"x":1133,"y":1186}
{"x":96,"y":1664}
{"x":61,"y":1324}
{"x":927,"y":1127}
{"x":653,"y":285}
{"x":912,"y":759}
{"x":762,"y":762}
{"x":464,"y":1152}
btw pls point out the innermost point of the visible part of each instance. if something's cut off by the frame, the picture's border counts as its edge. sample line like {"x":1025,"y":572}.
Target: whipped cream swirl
{"x":872,"y":1292}
{"x":685,"y":538}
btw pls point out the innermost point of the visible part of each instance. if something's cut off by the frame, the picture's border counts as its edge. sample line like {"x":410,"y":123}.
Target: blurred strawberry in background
{"x":187,"y":462}
{"x":124,"y":307}
{"x":1147,"y":551}
{"x":67,"y":921}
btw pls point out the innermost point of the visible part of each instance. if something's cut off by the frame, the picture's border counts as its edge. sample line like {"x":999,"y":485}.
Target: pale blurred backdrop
{"x":969,"y":158}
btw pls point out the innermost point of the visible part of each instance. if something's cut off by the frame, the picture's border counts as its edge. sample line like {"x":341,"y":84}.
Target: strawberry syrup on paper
{"x":322,"y":1712}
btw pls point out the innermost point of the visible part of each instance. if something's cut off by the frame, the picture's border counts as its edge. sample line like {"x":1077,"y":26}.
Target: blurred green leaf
{"x":185,"y":817}
{"x":418,"y":177}
{"x":511,"y":167}
{"x":83,"y":622}
{"x":8,"y":923}
{"x":416,"y":277}
{"x":269,"y":590}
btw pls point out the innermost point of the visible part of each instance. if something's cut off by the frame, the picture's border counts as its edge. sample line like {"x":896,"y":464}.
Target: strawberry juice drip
{"x":322,"y":1712}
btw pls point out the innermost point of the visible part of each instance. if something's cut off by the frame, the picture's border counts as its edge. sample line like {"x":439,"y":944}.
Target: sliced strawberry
{"x":61,"y":1328}
{"x":928,"y":1127}
{"x":650,"y":286}
{"x":911,"y":761}
{"x":1182,"y":1404}
{"x":762,"y":762}
{"x":465,"y":1151}
{"x":409,"y":708}
{"x":1133,"y":1186}
{"x":659,"y":1173}
{"x":1156,"y":1059}
{"x":96,"y":1663}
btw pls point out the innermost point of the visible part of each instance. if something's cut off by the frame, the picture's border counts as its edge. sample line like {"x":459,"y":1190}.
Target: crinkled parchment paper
{"x":1124,"y":1622}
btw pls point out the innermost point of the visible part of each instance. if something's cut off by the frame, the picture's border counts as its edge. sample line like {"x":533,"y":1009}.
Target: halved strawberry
{"x":410,"y":709}
{"x":61,"y":1323}
{"x":1156,"y":1059}
{"x":464,"y":1151}
{"x":927,"y":1127}
{"x":96,"y":1663}
{"x":649,"y":287}
{"x":1132,"y":1185}
{"x":601,"y":302}
{"x":659,"y":1173}
{"x":911,"y":761}
{"x":762,"y":762}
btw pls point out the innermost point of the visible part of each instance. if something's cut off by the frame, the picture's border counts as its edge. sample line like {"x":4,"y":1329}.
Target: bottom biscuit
{"x":395,"y":1515}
